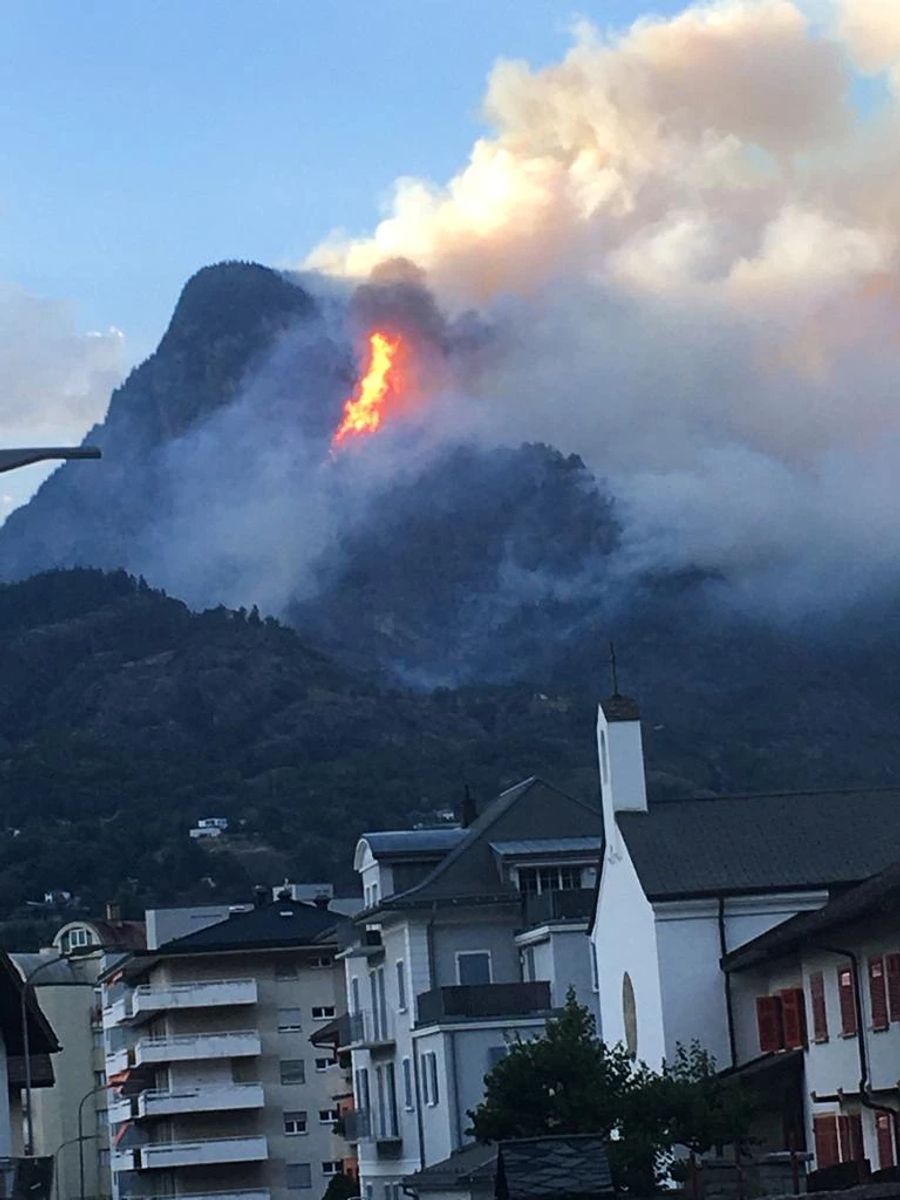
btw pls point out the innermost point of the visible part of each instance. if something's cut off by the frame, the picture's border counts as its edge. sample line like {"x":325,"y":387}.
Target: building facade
{"x":469,"y":939}
{"x":207,"y":1041}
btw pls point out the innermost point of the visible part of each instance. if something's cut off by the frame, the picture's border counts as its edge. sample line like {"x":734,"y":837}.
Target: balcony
{"x":164,"y":1155}
{"x":206,"y":993}
{"x":367,"y":1029}
{"x":356,"y":1126}
{"x":484,"y":1000}
{"x":187,"y":1047}
{"x":251,"y":1194}
{"x":225,"y":1097}
{"x":575,"y":905}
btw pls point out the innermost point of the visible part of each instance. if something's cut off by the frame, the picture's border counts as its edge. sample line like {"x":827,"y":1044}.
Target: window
{"x":369,"y":1191}
{"x":878,"y":994}
{"x":321,"y":961}
{"x":848,"y":1001}
{"x":289,"y":1020}
{"x":850,"y":1137}
{"x":528,"y":973}
{"x":828,"y":1153}
{"x":604,"y":762}
{"x":323,"y":1064}
{"x":323,"y":1012}
{"x":285,"y":970}
{"x":495,"y":1054}
{"x":293,"y":1070}
{"x":536,"y":880}
{"x":391,"y":1086}
{"x":99,"y":1079}
{"x":406,"y":1068}
{"x":327,"y":1116}
{"x":473,"y":966}
{"x":392,"y":1191}
{"x":332,"y":1166}
{"x":298,"y":1175}
{"x":430,"y":1079}
{"x":595,"y":974}
{"x":103,"y":1156}
{"x":769,"y":1025}
{"x":401,"y":986}
{"x":793,"y":1018}
{"x":379,"y":1004}
{"x":817,"y":1004}
{"x":79,"y":938}
{"x":354,"y":995}
{"x":294,"y":1123}
{"x":884,"y":1136}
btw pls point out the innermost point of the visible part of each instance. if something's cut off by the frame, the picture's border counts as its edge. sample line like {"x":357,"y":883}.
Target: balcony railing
{"x":368,"y":1028}
{"x":201,"y":993}
{"x":163,"y":1155}
{"x":209,"y":1098}
{"x":577,"y":904}
{"x":477,"y":1001}
{"x":356,"y":1126}
{"x":186,"y":1047}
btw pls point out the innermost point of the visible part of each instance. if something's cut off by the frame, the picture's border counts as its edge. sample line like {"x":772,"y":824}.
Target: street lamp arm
{"x":11,"y":459}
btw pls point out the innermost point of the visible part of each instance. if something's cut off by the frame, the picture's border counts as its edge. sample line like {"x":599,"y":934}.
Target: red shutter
{"x":768,"y":1020}
{"x":848,"y":1001}
{"x":793,"y":1017}
{"x":817,"y":1003}
{"x":885,"y":1135}
{"x":892,"y":970}
{"x":878,"y":994}
{"x":825,"y":1135}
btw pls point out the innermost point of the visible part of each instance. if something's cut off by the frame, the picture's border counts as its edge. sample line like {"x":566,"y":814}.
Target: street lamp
{"x":11,"y":459}
{"x":82,"y":1137}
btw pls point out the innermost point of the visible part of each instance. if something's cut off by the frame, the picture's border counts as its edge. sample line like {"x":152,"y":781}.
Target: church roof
{"x":747,"y":844}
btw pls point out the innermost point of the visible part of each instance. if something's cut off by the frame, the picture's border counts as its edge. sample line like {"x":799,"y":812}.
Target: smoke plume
{"x":682,"y":240}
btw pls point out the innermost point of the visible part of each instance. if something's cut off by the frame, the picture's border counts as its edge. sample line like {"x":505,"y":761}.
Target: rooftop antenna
{"x":613,"y":674}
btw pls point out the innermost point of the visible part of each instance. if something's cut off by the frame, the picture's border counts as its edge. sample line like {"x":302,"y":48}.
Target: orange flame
{"x":364,"y":411}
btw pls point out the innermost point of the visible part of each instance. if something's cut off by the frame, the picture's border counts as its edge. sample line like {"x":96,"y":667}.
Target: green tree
{"x":568,"y":1081}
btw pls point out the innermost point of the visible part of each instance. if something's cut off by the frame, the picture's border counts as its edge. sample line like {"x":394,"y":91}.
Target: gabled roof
{"x":747,"y":844}
{"x":473,"y":1164}
{"x":285,"y":923}
{"x":878,"y":896}
{"x":553,"y":1168}
{"x":530,"y":809}
{"x":41,"y":1038}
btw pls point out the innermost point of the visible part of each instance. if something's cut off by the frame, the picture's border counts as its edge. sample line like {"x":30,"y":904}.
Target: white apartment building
{"x":207,"y":1039}
{"x":69,"y":995}
{"x":470,"y":938}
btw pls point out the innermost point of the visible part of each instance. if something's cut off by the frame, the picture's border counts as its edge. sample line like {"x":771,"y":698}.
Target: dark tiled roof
{"x":475,"y":1163}
{"x":41,"y":1038}
{"x":547,"y":1167}
{"x":398,"y":843}
{"x":878,"y":896}
{"x":746,"y":844}
{"x":530,"y":809}
{"x":284,"y":923}
{"x":620,"y":708}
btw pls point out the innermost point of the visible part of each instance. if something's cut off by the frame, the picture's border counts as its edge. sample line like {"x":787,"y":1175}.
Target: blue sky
{"x":141,"y":140}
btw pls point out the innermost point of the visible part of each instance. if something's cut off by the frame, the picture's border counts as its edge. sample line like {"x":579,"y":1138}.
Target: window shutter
{"x":892,"y":971}
{"x":854,"y":1126}
{"x":878,"y":994}
{"x":885,"y":1137}
{"x":817,"y":1003}
{"x":825,"y":1135}
{"x":848,"y":1001}
{"x":793,"y":1018}
{"x":768,"y":1020}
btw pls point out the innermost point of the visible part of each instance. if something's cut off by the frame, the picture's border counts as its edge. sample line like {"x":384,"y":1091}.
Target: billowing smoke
{"x":683,"y":239}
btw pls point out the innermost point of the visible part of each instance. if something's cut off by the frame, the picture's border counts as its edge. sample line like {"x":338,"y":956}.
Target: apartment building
{"x":207,"y":1041}
{"x":816,"y":1006}
{"x":470,"y":937}
{"x":69,"y":995}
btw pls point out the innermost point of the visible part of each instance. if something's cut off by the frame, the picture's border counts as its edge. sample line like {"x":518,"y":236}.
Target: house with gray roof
{"x":470,"y":938}
{"x":692,"y":892}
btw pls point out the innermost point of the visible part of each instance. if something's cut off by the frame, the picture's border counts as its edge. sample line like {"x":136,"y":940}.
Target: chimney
{"x":260,"y":897}
{"x":621,"y":755}
{"x":468,"y":810}
{"x":113,"y":912}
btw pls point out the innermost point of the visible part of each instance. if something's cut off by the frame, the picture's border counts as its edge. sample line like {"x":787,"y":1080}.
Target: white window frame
{"x":323,"y":1012}
{"x":79,"y":937}
{"x":430,"y":1088}
{"x":329,"y":1063}
{"x":332,"y":1167}
{"x":473,"y":953}
{"x":331,"y":1115}
{"x":409,"y":1090}
{"x":289,"y":1117}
